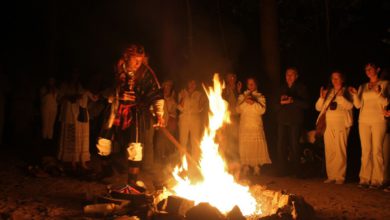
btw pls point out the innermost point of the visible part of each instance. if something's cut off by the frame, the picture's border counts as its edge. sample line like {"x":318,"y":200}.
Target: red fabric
{"x":123,"y":116}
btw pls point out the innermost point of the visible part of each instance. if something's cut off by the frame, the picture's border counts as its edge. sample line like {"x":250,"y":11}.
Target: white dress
{"x":74,"y":138}
{"x":252,"y":141}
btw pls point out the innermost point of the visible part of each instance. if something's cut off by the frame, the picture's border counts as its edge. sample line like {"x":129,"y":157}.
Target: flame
{"x":218,"y":187}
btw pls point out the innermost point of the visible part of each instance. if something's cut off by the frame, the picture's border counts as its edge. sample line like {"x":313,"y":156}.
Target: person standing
{"x":230,"y":94}
{"x":49,"y":105}
{"x":164,"y":148}
{"x":253,"y":147}
{"x":371,"y":99}
{"x":336,"y":104}
{"x":293,"y":102}
{"x":74,"y":137}
{"x":136,"y":90}
{"x":191,"y":104}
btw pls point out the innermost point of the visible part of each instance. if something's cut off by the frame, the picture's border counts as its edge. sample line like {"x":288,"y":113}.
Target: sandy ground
{"x":26,"y":197}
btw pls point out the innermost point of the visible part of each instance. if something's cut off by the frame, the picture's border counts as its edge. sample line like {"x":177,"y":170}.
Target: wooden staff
{"x":181,"y":149}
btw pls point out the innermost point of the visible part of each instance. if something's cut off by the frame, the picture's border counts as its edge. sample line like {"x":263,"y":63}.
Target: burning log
{"x":235,"y":214}
{"x":204,"y":211}
{"x":175,"y":205}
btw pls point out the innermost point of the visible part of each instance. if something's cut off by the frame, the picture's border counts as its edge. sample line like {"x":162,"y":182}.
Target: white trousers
{"x":189,"y":126}
{"x":386,"y":156}
{"x":335,"y":139}
{"x":372,"y":141}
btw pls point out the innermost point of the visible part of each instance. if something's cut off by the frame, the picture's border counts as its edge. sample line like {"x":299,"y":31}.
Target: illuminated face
{"x":134,"y":63}
{"x":291,"y":76}
{"x":371,"y":71}
{"x":191,"y":85}
{"x":251,"y":85}
{"x":336,"y":79}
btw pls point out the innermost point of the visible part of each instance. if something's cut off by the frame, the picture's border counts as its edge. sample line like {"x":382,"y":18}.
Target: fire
{"x":218,"y":187}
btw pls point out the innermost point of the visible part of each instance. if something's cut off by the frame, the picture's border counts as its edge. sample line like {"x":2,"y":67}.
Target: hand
{"x":249,"y":100}
{"x":128,"y":96}
{"x":160,"y":122}
{"x":323,"y":92}
{"x":284,"y":100}
{"x":183,"y":96}
{"x":352,"y":90}
{"x":386,"y":113}
{"x":377,"y":89}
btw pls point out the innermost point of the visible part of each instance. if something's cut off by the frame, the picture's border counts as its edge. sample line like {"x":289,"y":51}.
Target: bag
{"x":321,"y":122}
{"x":83,"y":116}
{"x":321,"y":125}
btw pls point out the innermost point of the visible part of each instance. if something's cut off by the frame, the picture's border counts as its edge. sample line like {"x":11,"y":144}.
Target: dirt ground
{"x":26,"y":197}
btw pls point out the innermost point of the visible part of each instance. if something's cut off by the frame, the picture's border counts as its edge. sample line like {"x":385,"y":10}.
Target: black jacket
{"x":292,"y":114}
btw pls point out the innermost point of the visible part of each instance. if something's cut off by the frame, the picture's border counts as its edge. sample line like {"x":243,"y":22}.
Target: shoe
{"x":387,"y":189}
{"x":339,"y":182}
{"x":363,"y":185}
{"x":329,"y":181}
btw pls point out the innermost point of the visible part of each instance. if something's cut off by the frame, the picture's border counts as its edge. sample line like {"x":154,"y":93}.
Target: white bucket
{"x":134,"y":152}
{"x":104,"y":146}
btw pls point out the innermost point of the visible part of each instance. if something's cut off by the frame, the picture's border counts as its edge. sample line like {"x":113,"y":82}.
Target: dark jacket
{"x":292,"y":114}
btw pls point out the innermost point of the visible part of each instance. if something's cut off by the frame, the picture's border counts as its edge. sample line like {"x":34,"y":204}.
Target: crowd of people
{"x":125,"y":121}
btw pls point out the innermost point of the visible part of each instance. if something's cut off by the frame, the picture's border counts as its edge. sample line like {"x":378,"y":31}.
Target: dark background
{"x":192,"y":39}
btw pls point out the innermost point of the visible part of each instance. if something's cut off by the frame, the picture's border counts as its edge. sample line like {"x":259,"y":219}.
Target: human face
{"x":167,"y":89}
{"x":231,"y":80}
{"x":371,"y":72}
{"x":336,"y":79}
{"x":251,"y":85}
{"x":134,"y":63}
{"x":291,"y":76}
{"x":191,"y":85}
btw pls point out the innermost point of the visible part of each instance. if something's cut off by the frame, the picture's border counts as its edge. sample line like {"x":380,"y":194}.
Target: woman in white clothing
{"x":48,"y":108}
{"x":74,"y":137}
{"x":252,"y":142}
{"x":336,"y":104}
{"x":371,"y":99}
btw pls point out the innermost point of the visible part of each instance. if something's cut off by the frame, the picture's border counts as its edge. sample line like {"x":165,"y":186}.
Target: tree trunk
{"x":271,"y":66}
{"x":52,"y":59}
{"x":269,"y":40}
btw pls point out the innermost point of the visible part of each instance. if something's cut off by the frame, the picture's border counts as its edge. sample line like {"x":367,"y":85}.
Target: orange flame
{"x":218,"y":187}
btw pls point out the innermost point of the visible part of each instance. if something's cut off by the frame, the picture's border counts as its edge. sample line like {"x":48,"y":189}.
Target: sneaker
{"x":339,"y":182}
{"x":329,"y":181}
